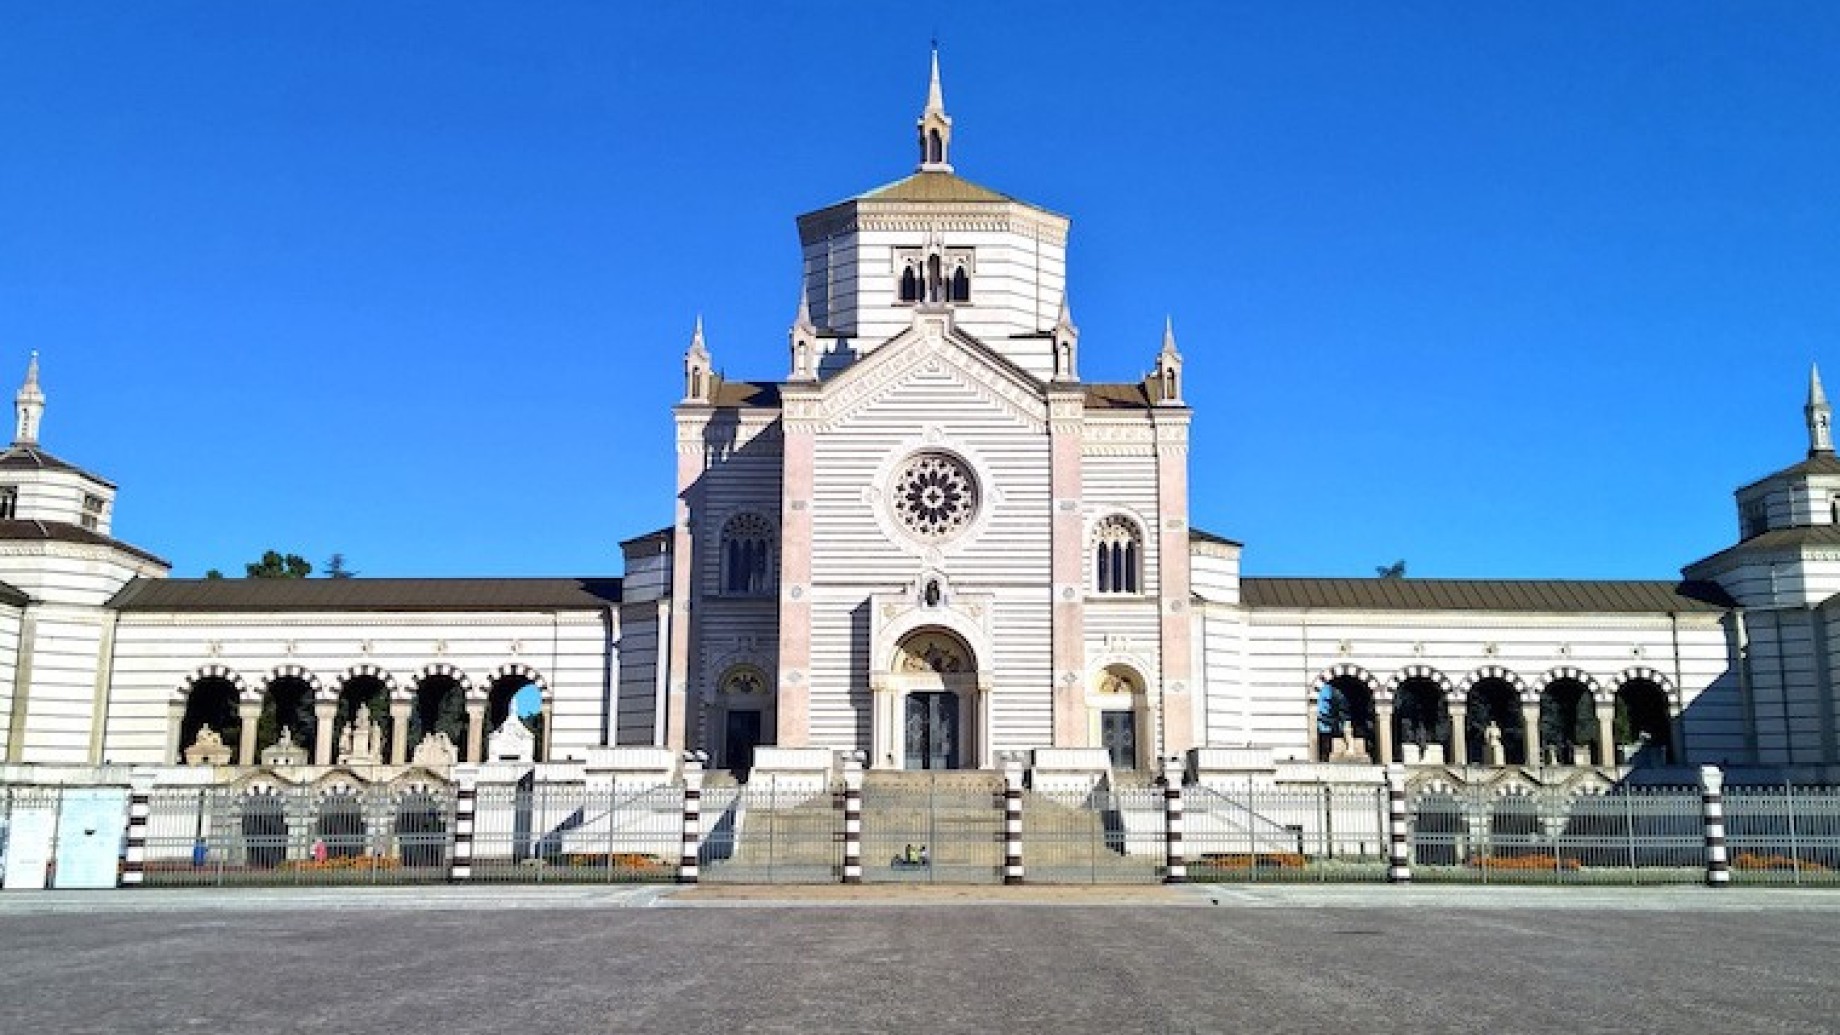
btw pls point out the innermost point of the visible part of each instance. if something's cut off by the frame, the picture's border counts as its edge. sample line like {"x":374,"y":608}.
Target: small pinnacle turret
{"x":1818,"y":415}
{"x":1166,"y":387}
{"x":698,"y":381}
{"x":935,"y":127}
{"x":29,"y":406}
{"x":1066,"y":344}
{"x":804,"y":343}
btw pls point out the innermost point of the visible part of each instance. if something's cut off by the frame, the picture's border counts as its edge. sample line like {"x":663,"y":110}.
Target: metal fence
{"x":1783,"y":834}
{"x":772,"y":832}
{"x":944,"y":829}
{"x":541,"y":832}
{"x":1642,"y":835}
{"x":221,"y":836}
{"x":1311,"y":833}
{"x":1104,"y":836}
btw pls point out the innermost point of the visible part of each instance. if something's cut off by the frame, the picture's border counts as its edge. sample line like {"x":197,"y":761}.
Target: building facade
{"x":930,"y":541}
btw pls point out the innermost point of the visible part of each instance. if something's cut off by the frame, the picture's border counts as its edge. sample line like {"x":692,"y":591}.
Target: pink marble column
{"x":793,"y":718}
{"x":1173,"y":591}
{"x":1066,"y":407}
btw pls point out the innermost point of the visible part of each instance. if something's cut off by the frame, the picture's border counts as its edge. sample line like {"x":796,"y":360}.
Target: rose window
{"x":934,"y":496}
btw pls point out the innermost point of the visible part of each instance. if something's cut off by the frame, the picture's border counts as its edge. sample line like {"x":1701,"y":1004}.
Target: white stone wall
{"x":157,"y":654}
{"x":55,"y":495}
{"x":1264,"y":666}
{"x":856,"y":554}
{"x":853,"y":279}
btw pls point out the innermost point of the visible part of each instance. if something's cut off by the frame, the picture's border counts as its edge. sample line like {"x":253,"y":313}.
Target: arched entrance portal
{"x":929,"y":704}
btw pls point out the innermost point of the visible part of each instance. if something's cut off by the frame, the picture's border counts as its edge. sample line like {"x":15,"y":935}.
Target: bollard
{"x":140,"y":807}
{"x":1012,"y":820}
{"x":1712,"y":812}
{"x":1175,"y":862}
{"x":692,"y":841}
{"x":466,"y":806}
{"x":1399,"y":850}
{"x":852,"y":819}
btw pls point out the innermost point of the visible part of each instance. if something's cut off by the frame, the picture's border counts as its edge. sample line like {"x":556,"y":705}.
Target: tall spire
{"x":803,"y":338}
{"x":29,"y":405}
{"x":935,"y":126}
{"x":699,"y":379}
{"x":1818,"y":415}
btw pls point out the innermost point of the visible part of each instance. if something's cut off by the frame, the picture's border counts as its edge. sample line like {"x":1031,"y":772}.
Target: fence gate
{"x":1637,"y":835}
{"x":771,"y":832}
{"x":571,"y":832}
{"x":1108,"y":835}
{"x":1783,"y":834}
{"x":925,"y":827}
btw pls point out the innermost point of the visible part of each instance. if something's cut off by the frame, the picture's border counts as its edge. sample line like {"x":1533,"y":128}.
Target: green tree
{"x":336,"y":569}
{"x":1395,"y":570}
{"x":276,"y":566}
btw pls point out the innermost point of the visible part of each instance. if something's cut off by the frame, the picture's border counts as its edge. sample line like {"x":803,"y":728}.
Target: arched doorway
{"x":364,"y":697}
{"x":1494,"y":702}
{"x":211,"y":702}
{"x":1644,"y":730}
{"x":1345,"y":702}
{"x":1421,"y":724}
{"x":516,"y":695}
{"x":339,"y":827}
{"x":1568,"y":725}
{"x":738,"y":718}
{"x":440,"y":707}
{"x":1119,"y":705}
{"x":935,"y":679}
{"x":264,"y":829}
{"x":287,"y":703}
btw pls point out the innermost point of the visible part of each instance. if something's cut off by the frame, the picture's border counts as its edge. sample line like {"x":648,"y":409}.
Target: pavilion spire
{"x":935,"y":126}
{"x":29,"y":406}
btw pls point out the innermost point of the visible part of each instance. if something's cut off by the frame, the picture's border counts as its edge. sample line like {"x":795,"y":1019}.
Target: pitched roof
{"x":31,"y":458}
{"x":935,"y":186}
{"x":1196,"y":535}
{"x":64,"y":532}
{"x":1817,"y":463}
{"x":747,"y":393}
{"x":1779,"y":539}
{"x":12,"y":595}
{"x":1521,"y":595}
{"x":367,"y":594}
{"x":1130,"y":396}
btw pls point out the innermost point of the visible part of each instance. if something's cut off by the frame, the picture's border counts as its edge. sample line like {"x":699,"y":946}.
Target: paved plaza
{"x":1198,"y":959}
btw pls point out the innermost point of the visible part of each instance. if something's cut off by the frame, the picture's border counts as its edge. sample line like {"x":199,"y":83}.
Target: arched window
{"x":747,"y":555}
{"x":961,"y":284}
{"x":1117,"y":556}
{"x":910,"y":284}
{"x":935,"y":147}
{"x":935,"y":288}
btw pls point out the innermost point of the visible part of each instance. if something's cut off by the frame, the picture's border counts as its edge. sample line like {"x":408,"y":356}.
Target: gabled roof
{"x":1517,"y":595}
{"x":753,"y":394}
{"x":1196,"y":535}
{"x":245,"y":595}
{"x":12,"y":595}
{"x":31,"y":458}
{"x":64,"y":532}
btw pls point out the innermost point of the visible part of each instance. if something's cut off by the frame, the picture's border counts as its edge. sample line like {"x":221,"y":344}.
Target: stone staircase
{"x":1076,"y":843}
{"x":956,"y":815}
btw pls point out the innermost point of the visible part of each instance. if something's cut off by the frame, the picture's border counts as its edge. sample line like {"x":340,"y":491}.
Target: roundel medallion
{"x":934,"y":496}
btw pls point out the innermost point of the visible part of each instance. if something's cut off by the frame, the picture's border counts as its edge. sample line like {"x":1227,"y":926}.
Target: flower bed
{"x":1543,"y":863}
{"x":1756,"y":861}
{"x":1253,"y":860}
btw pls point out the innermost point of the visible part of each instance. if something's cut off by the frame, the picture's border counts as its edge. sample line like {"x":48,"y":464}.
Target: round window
{"x":934,"y":496}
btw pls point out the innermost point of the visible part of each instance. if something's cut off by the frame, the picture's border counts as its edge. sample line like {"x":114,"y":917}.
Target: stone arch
{"x":207,"y":672}
{"x":288,"y":694}
{"x":1644,"y":707}
{"x":1420,"y":696}
{"x":517,"y":669}
{"x":1493,"y":695}
{"x":381,"y":675}
{"x":1119,"y":704}
{"x":1567,"y":699}
{"x":1425,"y":672}
{"x":340,"y":826}
{"x":1353,"y":692}
{"x":1115,"y":545}
{"x":212,"y":695}
{"x":443,"y":699}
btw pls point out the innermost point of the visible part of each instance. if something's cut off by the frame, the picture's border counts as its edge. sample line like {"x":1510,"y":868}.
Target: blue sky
{"x":1500,"y":289}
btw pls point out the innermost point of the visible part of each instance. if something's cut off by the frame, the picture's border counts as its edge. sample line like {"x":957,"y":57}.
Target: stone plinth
{"x":1068,"y":770}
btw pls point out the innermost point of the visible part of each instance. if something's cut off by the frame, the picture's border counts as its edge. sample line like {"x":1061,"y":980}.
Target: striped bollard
{"x":852,"y":819}
{"x":1175,"y":860}
{"x":140,"y":807}
{"x":1712,"y":810}
{"x":1012,"y":820}
{"x":1399,"y":849}
{"x":692,"y":840}
{"x":466,"y":807}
